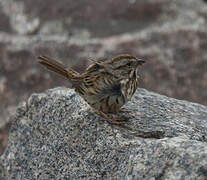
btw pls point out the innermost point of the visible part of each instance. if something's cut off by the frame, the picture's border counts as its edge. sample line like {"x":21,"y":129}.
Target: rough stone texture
{"x":56,"y":135}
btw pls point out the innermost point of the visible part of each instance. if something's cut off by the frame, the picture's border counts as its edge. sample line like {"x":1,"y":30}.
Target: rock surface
{"x":55,"y":135}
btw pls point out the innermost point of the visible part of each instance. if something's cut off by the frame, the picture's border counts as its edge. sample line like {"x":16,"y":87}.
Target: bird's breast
{"x":105,"y":93}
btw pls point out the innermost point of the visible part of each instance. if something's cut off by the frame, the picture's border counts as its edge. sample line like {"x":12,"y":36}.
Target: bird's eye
{"x":129,"y":64}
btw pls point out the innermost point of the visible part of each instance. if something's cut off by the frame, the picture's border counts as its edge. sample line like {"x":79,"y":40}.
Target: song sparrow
{"x":105,"y":85}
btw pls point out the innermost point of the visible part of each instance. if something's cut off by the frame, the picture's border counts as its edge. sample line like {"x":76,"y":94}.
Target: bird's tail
{"x":57,"y":67}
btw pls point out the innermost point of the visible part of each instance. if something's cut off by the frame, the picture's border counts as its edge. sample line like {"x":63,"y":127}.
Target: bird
{"x":105,"y":85}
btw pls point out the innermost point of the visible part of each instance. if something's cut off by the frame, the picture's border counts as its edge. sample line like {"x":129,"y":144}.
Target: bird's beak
{"x":140,"y":61}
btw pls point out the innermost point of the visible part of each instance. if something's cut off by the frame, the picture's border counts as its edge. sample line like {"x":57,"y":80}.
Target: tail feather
{"x":57,"y":67}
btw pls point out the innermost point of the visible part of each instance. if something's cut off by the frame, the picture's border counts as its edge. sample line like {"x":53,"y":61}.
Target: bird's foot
{"x":112,"y":118}
{"x":124,"y":110}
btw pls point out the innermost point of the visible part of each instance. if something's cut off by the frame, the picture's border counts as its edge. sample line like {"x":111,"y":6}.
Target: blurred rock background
{"x":171,"y":35}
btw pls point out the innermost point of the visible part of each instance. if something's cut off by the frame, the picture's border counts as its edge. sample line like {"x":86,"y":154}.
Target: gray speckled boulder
{"x":55,"y":135}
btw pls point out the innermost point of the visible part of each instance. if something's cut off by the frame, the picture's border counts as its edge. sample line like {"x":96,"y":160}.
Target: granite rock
{"x":56,"y":135}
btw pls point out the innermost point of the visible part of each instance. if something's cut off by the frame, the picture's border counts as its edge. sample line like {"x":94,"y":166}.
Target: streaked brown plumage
{"x":105,"y":85}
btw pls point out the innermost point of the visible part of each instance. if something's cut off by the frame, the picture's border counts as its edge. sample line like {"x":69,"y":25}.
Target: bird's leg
{"x":112,"y":118}
{"x":124,"y":110}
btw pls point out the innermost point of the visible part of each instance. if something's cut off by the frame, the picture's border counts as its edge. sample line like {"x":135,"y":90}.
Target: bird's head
{"x":124,"y":65}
